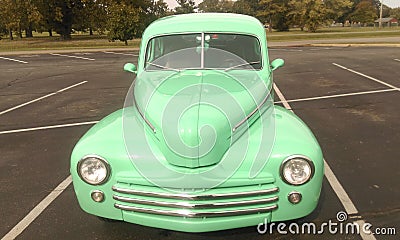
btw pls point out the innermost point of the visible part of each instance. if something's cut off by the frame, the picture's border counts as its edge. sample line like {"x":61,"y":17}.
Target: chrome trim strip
{"x":193,"y":214}
{"x":253,"y":112}
{"x":195,"y":197}
{"x":187,"y":205}
{"x":140,"y":113}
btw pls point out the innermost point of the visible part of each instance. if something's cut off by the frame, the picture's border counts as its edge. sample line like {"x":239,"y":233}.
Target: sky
{"x":172,"y":3}
{"x":391,"y":3}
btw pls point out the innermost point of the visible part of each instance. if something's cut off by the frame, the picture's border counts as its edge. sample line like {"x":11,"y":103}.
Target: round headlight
{"x":297,"y":170}
{"x":93,"y":170}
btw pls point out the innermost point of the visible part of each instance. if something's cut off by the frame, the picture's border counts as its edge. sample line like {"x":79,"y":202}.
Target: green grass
{"x":41,"y":41}
{"x":334,"y":33}
{"x":78,"y":41}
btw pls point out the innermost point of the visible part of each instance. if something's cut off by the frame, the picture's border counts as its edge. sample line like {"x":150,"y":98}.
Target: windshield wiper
{"x":163,"y":67}
{"x":241,"y":65}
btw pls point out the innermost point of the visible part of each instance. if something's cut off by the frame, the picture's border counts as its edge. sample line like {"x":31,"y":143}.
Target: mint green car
{"x":199,"y":144}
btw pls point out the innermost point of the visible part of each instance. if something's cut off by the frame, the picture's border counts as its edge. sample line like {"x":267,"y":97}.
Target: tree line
{"x":306,"y":14}
{"x":126,"y":19}
{"x":121,"y":19}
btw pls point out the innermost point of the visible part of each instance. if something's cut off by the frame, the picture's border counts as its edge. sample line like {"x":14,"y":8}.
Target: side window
{"x":155,"y":49}
{"x":158,"y":48}
{"x":150,"y":52}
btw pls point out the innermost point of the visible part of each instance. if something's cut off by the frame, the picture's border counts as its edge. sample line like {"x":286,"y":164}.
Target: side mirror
{"x":130,"y":67}
{"x":277,"y":63}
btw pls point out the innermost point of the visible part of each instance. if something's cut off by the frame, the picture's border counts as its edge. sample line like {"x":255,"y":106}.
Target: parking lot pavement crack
{"x":17,"y":81}
{"x":384,"y":212}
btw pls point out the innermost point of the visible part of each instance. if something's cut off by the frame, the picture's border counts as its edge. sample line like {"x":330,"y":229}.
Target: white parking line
{"x":69,"y":56}
{"x":366,"y":76}
{"x":40,"y":98}
{"x":35,"y":212}
{"x":14,"y":60}
{"x":332,"y":179}
{"x":397,"y":59}
{"x":126,"y":54}
{"x":47,"y":127}
{"x":339,"y":95}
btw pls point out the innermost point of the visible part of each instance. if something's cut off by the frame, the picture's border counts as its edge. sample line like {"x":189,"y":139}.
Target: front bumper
{"x":188,"y":210}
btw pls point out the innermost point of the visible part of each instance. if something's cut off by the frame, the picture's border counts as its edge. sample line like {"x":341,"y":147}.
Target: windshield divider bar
{"x":202,"y":51}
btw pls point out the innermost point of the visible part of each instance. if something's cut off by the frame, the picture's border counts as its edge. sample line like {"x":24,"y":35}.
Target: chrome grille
{"x":229,"y":201}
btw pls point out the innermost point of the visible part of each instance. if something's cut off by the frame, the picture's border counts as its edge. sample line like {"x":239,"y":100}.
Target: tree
{"x":244,"y":7}
{"x":299,"y":12}
{"x":226,"y":6}
{"x":63,"y":17}
{"x":18,"y":15}
{"x":209,"y":6}
{"x":159,"y":9}
{"x":3,"y":28}
{"x":127,"y":19}
{"x":216,"y":6}
{"x":185,"y":6}
{"x":308,"y":13}
{"x":311,"y":14}
{"x":47,"y":9}
{"x":92,"y":15}
{"x":275,"y":12}
{"x":8,"y":16}
{"x":395,"y":13}
{"x":123,"y":22}
{"x":364,"y":12}
{"x":28,"y":17}
{"x":335,"y":9}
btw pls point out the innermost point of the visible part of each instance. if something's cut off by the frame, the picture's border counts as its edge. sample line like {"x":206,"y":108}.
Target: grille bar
{"x":198,"y":214}
{"x":188,"y":205}
{"x":193,"y":196}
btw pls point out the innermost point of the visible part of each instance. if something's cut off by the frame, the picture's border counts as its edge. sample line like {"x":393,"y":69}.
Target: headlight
{"x":297,"y":170}
{"x":93,"y":170}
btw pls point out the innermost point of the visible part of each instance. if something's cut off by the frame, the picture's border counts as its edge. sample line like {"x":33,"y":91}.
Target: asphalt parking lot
{"x":349,"y":97}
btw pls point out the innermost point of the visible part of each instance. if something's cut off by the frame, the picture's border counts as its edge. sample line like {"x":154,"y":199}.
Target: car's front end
{"x":199,"y":145}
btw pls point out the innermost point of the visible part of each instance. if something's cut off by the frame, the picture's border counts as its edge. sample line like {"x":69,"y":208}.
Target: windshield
{"x":203,"y":50}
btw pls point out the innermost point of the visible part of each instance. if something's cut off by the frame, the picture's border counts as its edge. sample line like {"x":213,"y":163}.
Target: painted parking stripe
{"x":126,"y":54}
{"x":69,"y":56}
{"x":339,"y":95}
{"x":14,"y":60}
{"x":43,"y":97}
{"x":35,"y":212}
{"x":397,"y":59}
{"x":366,"y":76}
{"x":47,"y":127}
{"x":333,"y":181}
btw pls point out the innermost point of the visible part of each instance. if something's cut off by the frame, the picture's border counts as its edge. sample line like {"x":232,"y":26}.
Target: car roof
{"x":205,"y":22}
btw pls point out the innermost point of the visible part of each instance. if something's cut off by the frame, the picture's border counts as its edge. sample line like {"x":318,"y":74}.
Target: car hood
{"x":195,"y":113}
